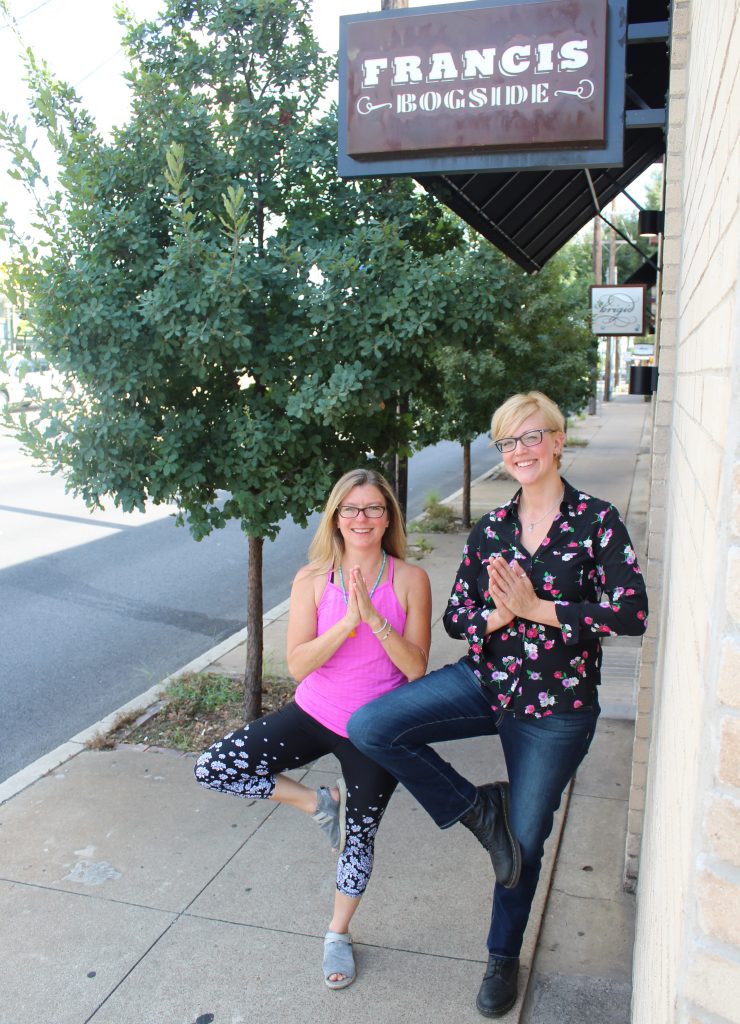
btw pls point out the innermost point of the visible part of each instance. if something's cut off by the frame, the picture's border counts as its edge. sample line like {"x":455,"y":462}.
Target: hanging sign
{"x":643,"y":351}
{"x":618,"y":309}
{"x":479,"y":78}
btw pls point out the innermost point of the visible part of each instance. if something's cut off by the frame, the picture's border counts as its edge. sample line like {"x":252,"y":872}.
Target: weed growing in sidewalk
{"x":196,"y":709}
{"x":418,"y":548}
{"x":437,"y":517}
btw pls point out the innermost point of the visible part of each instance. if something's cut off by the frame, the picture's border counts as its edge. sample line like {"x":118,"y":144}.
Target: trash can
{"x":643,"y":380}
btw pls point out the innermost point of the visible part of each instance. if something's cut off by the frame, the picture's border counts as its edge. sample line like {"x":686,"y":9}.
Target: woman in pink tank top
{"x":359,"y":626}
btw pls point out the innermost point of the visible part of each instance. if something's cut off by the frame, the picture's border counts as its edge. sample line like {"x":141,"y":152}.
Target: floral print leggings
{"x":245,"y":763}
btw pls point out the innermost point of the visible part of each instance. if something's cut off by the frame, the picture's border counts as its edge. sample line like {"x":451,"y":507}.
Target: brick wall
{"x":686,"y":771}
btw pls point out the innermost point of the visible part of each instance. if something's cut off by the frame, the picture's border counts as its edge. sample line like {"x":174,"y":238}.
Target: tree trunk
{"x":402,"y":465}
{"x":389,"y":469}
{"x":402,"y":485}
{"x":253,"y":667}
{"x":466,"y":486}
{"x":255,"y":638}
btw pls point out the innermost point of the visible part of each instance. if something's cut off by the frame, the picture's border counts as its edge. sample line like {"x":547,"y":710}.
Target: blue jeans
{"x":542,"y":754}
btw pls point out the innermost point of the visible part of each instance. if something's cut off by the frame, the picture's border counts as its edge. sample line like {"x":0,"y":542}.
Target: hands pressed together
{"x":359,"y":606}
{"x":512,"y":591}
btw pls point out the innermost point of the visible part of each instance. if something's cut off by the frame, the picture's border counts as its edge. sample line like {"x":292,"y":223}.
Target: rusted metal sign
{"x":481,"y":77}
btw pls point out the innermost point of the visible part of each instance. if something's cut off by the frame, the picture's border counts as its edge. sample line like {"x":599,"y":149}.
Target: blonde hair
{"x":520,"y":407}
{"x":327,"y":546}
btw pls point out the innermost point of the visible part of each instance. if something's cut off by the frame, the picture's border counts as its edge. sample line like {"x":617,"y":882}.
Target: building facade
{"x":684,"y":821}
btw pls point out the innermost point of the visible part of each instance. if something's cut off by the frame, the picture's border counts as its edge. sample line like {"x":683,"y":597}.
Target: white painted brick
{"x":728,"y":682}
{"x":667,"y":361}
{"x":729,"y":751}
{"x":661,"y":440}
{"x":713,"y":983}
{"x":645,"y":702}
{"x":666,"y":388}
{"x":633,"y":845}
{"x":695,"y":739}
{"x":680,"y":20}
{"x":639,"y":776}
{"x":722,"y":826}
{"x":643,"y":726}
{"x":634,"y":821}
{"x":733,"y":582}
{"x":719,"y":904}
{"x":641,"y":751}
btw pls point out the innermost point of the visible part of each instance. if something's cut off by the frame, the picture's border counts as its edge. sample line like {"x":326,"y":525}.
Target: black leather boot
{"x":498,"y":990}
{"x":488,"y":820}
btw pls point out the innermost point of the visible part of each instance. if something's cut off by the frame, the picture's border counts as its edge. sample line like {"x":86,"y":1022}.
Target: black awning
{"x":530,"y":215}
{"x":646,"y":273}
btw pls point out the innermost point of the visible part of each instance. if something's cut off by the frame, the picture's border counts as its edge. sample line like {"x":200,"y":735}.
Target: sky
{"x":81,"y":42}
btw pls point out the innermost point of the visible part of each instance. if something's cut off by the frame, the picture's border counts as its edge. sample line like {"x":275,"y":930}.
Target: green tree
{"x":654,"y":189}
{"x":469,"y":372}
{"x":580,"y":254}
{"x":551,"y":339}
{"x":174,"y":277}
{"x":505,"y":332}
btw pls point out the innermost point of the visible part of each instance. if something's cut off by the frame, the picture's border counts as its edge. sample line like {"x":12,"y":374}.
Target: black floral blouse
{"x":587,"y":566}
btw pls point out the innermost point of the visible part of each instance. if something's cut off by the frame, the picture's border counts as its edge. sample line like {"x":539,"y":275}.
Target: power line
{"x":22,"y":17}
{"x":99,"y":66}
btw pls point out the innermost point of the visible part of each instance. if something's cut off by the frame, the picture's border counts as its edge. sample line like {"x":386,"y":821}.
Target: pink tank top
{"x":360,"y":670}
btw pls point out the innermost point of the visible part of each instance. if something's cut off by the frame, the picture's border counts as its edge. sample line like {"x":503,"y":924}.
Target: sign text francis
{"x":479,"y":78}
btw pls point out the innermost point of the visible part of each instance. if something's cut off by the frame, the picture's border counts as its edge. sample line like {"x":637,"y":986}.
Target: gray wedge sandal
{"x":339,"y":959}
{"x":330,"y":814}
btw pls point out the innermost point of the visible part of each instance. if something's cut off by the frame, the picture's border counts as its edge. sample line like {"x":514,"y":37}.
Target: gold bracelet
{"x":387,"y":633}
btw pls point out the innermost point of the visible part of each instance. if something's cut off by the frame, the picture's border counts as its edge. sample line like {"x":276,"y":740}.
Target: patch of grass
{"x":202,"y":692}
{"x":196,"y":709}
{"x":576,"y":442}
{"x":437,"y":517}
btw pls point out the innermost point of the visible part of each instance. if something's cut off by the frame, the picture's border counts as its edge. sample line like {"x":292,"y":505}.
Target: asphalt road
{"x":98,"y":607}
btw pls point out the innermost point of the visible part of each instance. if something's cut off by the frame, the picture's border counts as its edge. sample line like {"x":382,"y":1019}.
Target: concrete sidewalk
{"x":129,"y":895}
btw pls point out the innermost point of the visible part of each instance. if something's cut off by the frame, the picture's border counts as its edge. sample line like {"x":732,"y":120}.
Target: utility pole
{"x":613,"y":274}
{"x":612,"y":279}
{"x":598,"y":274}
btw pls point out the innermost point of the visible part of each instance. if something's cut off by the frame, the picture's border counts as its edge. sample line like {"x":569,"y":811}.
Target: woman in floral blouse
{"x":542,"y":579}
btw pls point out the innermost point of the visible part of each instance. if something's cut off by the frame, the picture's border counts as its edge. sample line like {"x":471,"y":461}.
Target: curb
{"x":74,"y":746}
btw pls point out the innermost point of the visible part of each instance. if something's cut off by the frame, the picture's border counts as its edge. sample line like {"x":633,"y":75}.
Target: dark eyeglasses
{"x":352,"y":511}
{"x":529,"y":440}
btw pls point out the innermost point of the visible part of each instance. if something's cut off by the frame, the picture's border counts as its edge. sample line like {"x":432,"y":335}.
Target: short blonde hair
{"x":518,"y":408}
{"x":327,"y":546}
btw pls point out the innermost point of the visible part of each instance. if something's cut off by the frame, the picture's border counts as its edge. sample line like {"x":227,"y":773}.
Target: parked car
{"x":26,"y":378}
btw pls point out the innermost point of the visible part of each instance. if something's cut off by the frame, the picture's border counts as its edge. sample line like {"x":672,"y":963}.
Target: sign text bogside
{"x":484,"y":78}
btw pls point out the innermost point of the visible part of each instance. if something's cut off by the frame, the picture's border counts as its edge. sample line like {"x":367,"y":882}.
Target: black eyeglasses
{"x":353,"y":511}
{"x":529,"y":439}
